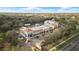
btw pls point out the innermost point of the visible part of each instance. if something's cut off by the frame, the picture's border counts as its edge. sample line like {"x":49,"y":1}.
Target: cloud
{"x":40,"y":9}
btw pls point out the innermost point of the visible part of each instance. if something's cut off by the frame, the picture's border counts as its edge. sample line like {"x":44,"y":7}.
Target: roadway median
{"x":65,"y":42}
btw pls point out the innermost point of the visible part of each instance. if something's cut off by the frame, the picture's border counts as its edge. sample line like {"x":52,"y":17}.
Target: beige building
{"x":30,"y":32}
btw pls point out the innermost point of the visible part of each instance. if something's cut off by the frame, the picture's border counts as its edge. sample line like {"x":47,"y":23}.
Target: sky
{"x":40,"y":9}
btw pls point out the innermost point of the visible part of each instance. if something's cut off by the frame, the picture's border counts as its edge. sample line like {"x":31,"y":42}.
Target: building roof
{"x":39,"y":28}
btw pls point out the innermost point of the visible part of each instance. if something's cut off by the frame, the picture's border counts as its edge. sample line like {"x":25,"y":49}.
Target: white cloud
{"x":38,"y":9}
{"x":35,"y":9}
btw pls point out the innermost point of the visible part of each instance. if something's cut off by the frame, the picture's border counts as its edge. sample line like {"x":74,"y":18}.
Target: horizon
{"x":39,"y":9}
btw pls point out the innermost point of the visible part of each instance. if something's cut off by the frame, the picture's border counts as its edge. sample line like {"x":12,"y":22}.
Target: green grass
{"x":66,"y":41}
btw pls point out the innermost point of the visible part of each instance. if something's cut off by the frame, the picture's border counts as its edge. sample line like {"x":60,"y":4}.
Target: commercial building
{"x":31,"y":32}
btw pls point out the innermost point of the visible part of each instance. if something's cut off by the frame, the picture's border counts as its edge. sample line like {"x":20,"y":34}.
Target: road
{"x":73,"y":46}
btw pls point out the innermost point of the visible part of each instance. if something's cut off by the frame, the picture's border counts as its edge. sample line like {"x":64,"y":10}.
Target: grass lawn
{"x":66,"y":41}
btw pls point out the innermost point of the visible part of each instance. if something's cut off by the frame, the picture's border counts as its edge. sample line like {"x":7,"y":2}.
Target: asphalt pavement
{"x":72,"y":45}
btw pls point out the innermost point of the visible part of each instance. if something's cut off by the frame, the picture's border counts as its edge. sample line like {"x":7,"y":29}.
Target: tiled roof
{"x":39,"y":28}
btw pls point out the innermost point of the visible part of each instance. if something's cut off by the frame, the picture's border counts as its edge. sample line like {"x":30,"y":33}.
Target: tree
{"x":53,"y":37}
{"x":12,"y":37}
{"x":2,"y":40}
